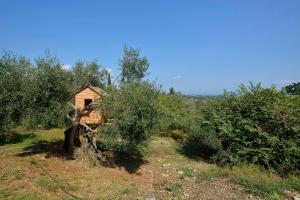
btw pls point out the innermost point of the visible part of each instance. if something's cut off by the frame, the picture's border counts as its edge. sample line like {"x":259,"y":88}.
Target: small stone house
{"x":84,"y":97}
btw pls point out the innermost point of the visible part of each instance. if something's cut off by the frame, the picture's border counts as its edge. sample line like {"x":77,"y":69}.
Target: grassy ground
{"x":33,"y":168}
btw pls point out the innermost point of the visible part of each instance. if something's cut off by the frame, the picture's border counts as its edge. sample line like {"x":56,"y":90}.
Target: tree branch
{"x":87,"y":127}
{"x":72,"y":119}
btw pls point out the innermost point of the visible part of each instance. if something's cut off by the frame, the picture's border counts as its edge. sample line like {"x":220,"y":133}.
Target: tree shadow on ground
{"x":196,"y":152}
{"x":131,"y":163}
{"x":115,"y":159}
{"x":50,"y":148}
{"x":14,"y":137}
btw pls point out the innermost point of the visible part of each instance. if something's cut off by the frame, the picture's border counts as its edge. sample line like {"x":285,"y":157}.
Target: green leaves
{"x":255,"y":125}
{"x":133,"y":67}
{"x":293,"y":89}
{"x":37,"y":93}
{"x":133,"y":112}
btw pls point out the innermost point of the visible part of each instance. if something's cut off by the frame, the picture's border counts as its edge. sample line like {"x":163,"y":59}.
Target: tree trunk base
{"x":83,"y":147}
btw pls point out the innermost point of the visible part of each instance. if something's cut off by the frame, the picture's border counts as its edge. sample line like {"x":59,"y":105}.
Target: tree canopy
{"x":37,"y":93}
{"x":293,"y":89}
{"x":133,"y":66}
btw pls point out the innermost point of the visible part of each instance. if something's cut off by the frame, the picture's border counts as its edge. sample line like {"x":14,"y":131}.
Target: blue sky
{"x":198,"y":47}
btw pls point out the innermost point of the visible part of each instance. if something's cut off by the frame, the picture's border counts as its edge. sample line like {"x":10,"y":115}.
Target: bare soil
{"x":35,"y":169}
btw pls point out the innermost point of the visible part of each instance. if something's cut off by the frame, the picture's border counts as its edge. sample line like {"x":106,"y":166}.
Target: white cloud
{"x":66,"y":67}
{"x":109,"y":70}
{"x":177,"y":77}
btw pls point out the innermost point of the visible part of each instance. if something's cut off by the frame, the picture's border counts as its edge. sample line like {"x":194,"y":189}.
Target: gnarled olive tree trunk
{"x":80,"y":140}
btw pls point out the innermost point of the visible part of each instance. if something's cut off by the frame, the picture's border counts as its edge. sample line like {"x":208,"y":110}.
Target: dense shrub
{"x":202,"y":141}
{"x":133,"y":113}
{"x":255,"y":125}
{"x":175,"y":113}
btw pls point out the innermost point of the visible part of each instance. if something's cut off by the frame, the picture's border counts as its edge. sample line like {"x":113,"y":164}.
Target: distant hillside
{"x":199,"y":98}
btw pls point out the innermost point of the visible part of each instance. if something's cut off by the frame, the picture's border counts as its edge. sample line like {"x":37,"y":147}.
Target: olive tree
{"x":132,"y":116}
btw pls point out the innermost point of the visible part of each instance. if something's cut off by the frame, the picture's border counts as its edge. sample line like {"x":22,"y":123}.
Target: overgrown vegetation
{"x":254,"y":125}
{"x":175,"y":113}
{"x":36,"y":94}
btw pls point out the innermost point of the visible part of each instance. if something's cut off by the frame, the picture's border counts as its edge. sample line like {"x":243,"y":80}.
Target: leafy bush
{"x":175,"y":113}
{"x":203,"y":142}
{"x":255,"y":125}
{"x":133,"y":114}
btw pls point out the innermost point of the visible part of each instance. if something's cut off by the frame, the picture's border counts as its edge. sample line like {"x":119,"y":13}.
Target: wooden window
{"x":87,"y":102}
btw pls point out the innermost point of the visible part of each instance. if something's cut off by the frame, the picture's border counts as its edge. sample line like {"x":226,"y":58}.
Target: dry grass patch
{"x":32,"y":169}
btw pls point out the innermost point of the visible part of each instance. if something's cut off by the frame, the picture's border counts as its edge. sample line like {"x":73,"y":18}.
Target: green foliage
{"x":175,"y":112}
{"x":171,"y":91}
{"x":202,"y":141}
{"x":37,"y":94}
{"x":175,"y":188}
{"x":89,"y":73}
{"x":133,"y":67}
{"x":255,"y":125}
{"x":109,"y":83}
{"x":15,"y":75}
{"x":133,"y":113}
{"x":293,"y":89}
{"x":186,"y":172}
{"x":125,"y":191}
{"x":292,"y":182}
{"x":47,"y":183}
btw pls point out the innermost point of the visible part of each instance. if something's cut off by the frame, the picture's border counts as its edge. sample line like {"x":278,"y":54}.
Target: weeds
{"x":44,"y":182}
{"x":33,"y":162}
{"x":125,"y":191}
{"x":5,"y":194}
{"x":175,"y":188}
{"x":254,"y":180}
{"x":293,"y":183}
{"x":8,"y":175}
{"x":186,"y":172}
